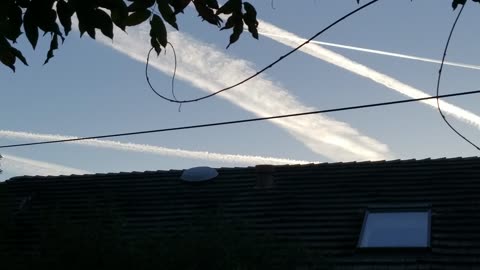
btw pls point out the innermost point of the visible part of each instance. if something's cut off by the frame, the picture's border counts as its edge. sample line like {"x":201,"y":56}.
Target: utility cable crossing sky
{"x":336,"y":59}
{"x":94,"y":139}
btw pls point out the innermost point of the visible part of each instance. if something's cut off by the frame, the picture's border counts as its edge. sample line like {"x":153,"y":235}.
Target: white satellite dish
{"x":199,"y":174}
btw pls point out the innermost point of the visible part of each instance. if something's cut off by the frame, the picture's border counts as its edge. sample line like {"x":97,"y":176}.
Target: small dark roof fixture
{"x":396,"y":227}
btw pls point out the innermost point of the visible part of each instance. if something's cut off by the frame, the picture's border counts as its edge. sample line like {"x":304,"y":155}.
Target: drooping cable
{"x":243,"y":120}
{"x":440,"y":78}
{"x":281,"y":58}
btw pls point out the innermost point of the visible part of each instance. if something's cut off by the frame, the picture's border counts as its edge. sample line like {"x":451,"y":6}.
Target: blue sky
{"x":98,"y":87}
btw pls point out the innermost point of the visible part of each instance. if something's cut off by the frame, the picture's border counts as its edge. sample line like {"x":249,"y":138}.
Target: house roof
{"x":320,"y":205}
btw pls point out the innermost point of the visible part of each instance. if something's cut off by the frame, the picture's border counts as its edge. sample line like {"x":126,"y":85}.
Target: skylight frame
{"x":421,"y":208}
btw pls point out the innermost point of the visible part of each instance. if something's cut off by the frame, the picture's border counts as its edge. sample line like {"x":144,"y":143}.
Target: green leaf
{"x":53,"y":46}
{"x":65,"y":13}
{"x":138,"y":17}
{"x":30,"y":27}
{"x":167,"y":13}
{"x":103,"y":22}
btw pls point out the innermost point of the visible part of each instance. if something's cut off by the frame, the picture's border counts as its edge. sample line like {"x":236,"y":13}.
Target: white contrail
{"x":209,"y":69}
{"x":359,"y":69}
{"x":24,"y":166}
{"x":144,"y":148}
{"x":379,"y":52}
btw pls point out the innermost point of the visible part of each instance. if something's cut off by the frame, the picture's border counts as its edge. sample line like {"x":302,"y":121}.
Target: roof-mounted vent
{"x":199,"y":174}
{"x":264,"y":176}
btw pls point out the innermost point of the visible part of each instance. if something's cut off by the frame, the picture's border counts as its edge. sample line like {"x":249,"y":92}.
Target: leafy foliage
{"x":29,"y":17}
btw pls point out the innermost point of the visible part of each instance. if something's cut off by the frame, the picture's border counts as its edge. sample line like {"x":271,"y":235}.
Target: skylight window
{"x":387,"y":228}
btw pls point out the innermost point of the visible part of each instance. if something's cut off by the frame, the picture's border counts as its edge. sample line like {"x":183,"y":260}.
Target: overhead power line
{"x":364,"y":106}
{"x":281,"y":58}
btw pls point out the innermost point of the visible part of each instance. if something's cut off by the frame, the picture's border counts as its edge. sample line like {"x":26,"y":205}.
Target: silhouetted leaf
{"x":19,"y":55}
{"x":8,"y":59}
{"x":138,"y":17}
{"x":250,"y":18}
{"x":30,"y":27}
{"x":11,"y":32}
{"x":4,"y":44}
{"x":455,"y":3}
{"x":156,"y":45}
{"x":23,"y":3}
{"x":15,"y":15}
{"x":230,"y":7}
{"x":237,"y":31}
{"x":140,"y":5}
{"x":212,"y":4}
{"x":85,"y":10}
{"x":158,"y":30}
{"x":229,"y":24}
{"x":167,"y":13}
{"x":119,"y":15}
{"x":179,"y":5}
{"x":207,"y":13}
{"x":6,"y":55}
{"x":103,"y":22}
{"x":46,"y":19}
{"x":65,"y":13}
{"x":53,"y":46}
{"x":85,"y":22}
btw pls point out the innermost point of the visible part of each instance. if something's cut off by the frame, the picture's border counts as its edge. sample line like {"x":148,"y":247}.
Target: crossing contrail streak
{"x":209,"y":69}
{"x":150,"y":149}
{"x":339,"y":60}
{"x":24,"y":166}
{"x":379,"y":52}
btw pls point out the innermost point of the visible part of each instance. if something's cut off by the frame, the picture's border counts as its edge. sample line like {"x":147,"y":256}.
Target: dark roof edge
{"x":176,"y":171}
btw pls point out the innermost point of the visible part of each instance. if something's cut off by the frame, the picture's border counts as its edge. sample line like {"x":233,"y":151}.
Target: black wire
{"x":244,"y":120}
{"x":258,"y":72}
{"x":174,"y":75}
{"x":440,"y":78}
{"x":174,"y":70}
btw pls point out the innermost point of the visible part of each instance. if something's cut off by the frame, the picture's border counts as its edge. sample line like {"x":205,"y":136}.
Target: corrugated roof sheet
{"x":319,"y":205}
